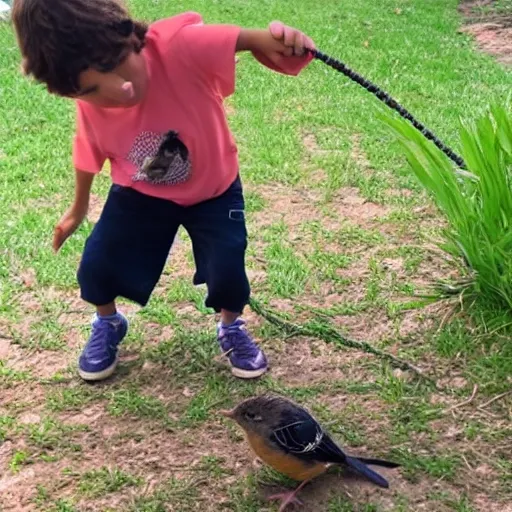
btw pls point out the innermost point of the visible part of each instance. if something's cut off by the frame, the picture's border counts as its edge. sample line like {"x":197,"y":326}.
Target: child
{"x":150,"y":100}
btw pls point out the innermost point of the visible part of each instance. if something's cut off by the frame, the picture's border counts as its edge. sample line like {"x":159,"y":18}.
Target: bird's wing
{"x":301,"y":436}
{"x":305,"y":438}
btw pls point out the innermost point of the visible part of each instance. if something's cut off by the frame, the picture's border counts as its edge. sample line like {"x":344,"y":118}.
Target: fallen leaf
{"x":188,"y":393}
{"x":28,"y":277}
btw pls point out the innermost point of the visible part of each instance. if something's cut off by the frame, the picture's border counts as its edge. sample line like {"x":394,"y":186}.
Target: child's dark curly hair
{"x":61,"y":38}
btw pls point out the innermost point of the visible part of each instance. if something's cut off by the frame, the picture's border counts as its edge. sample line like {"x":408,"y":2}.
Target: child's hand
{"x":67,"y":225}
{"x":276,"y":42}
{"x":293,"y":41}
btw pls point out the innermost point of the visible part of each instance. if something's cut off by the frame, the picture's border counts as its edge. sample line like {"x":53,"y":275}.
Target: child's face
{"x":123,"y":87}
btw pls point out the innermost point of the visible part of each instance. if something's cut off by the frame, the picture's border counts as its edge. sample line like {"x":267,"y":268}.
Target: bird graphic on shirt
{"x":287,"y":437}
{"x":160,"y":159}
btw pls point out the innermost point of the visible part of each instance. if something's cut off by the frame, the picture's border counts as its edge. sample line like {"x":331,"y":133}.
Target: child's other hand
{"x":293,"y":41}
{"x":67,"y":225}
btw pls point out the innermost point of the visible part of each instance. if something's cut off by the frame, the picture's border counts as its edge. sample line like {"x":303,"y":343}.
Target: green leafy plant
{"x":476,"y":201}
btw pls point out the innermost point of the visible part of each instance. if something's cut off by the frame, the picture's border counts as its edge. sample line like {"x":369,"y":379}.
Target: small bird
{"x":286,"y":437}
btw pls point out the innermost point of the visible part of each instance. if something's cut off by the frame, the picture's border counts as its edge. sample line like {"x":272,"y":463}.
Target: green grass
{"x":9,"y":376}
{"x":489,"y":361}
{"x":437,"y":466}
{"x":315,"y":135}
{"x":475,"y":202}
{"x":199,"y":409}
{"x":503,"y":7}
{"x":103,"y":481}
{"x":254,"y":202}
{"x":180,"y":492}
{"x":130,"y":402}
{"x":69,"y":399}
{"x":17,"y":460}
{"x":286,"y":273}
{"x":193,"y":349}
{"x":53,"y":438}
{"x":339,"y":504}
{"x":63,"y":505}
{"x":6,"y":424}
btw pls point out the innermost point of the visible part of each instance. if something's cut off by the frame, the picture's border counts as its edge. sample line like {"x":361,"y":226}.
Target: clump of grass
{"x":437,"y":466}
{"x":476,"y":202}
{"x":181,"y":493}
{"x":130,"y":402}
{"x":6,"y":424}
{"x":18,"y":459}
{"x":102,"y":481}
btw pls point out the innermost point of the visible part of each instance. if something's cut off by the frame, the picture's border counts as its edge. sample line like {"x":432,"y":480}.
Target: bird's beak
{"x":227,"y":413}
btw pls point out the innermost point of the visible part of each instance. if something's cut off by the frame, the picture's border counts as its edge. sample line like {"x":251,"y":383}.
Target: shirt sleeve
{"x":211,"y":50}
{"x":87,"y":156}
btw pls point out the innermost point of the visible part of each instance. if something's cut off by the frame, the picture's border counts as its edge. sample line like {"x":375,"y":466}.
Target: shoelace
{"x":97,"y":348}
{"x":239,"y":341}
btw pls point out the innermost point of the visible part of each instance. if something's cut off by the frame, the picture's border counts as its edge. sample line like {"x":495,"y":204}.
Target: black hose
{"x":390,"y":102}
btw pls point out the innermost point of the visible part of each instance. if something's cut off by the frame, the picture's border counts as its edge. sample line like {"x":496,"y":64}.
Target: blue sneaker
{"x":99,"y":357}
{"x":247,"y":360}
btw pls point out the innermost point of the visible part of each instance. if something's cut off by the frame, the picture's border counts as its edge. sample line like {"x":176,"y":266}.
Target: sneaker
{"x":247,"y":360}
{"x":99,"y":357}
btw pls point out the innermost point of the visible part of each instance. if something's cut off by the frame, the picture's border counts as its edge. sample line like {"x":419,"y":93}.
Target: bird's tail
{"x":360,"y":467}
{"x":379,"y":462}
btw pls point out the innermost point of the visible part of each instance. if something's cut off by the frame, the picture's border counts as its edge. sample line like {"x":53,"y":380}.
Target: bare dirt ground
{"x":492,"y":29}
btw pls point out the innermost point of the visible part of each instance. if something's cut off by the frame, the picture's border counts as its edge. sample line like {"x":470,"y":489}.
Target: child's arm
{"x":278,"y":39}
{"x":70,"y":221}
{"x":209,"y":50}
{"x":280,"y":48}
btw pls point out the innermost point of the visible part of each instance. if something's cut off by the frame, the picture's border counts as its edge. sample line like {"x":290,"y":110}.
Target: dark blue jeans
{"x":126,"y":252}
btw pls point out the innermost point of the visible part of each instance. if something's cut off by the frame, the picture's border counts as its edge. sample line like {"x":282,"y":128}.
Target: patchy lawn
{"x":340,"y":234}
{"x":490,"y":23}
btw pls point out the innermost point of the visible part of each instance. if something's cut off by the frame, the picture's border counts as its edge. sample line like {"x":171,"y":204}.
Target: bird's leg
{"x":288,"y":498}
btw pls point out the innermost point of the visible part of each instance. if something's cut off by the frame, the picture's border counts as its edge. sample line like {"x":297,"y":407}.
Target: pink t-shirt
{"x":175,"y":144}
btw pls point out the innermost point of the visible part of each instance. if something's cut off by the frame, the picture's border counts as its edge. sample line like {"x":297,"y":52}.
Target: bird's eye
{"x":252,"y":416}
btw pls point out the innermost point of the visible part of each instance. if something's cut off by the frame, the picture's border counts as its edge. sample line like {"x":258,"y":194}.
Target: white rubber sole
{"x":248,"y":374}
{"x":94,"y":377}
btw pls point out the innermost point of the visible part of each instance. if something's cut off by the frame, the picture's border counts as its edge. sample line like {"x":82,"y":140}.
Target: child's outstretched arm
{"x":278,"y":39}
{"x":280,"y":47}
{"x":75,"y":215}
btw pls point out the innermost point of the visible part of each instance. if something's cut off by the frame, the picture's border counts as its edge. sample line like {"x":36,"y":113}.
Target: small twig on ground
{"x":487,"y":413}
{"x":331,"y":335}
{"x":466,"y":402}
{"x":499,"y":397}
{"x":449,"y":314}
{"x":467,"y":463}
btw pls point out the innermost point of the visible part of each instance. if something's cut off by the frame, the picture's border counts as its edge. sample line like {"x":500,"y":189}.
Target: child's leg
{"x":107,"y":309}
{"x":228,"y":317}
{"x":124,"y":256}
{"x":219,"y":239}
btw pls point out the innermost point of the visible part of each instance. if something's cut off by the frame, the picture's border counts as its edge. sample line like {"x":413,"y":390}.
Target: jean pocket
{"x":237,"y":215}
